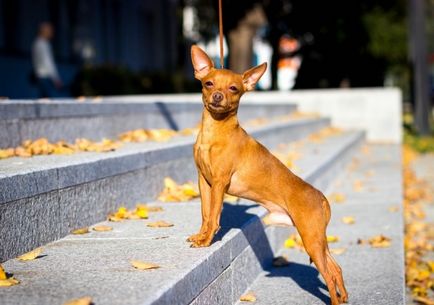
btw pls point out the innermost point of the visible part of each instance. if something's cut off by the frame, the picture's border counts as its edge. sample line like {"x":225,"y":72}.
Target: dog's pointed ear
{"x":251,"y":76}
{"x":202,"y":64}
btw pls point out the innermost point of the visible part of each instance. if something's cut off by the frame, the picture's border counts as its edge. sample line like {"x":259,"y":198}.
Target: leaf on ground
{"x":2,"y":273}
{"x":393,"y":209}
{"x":332,"y":238}
{"x":9,"y":282}
{"x":143,"y":265}
{"x":290,"y":243}
{"x":294,"y":241}
{"x":174,"y":192}
{"x":424,"y":300}
{"x":280,"y":261}
{"x":80,"y":301}
{"x":102,"y":228}
{"x":358,"y":186}
{"x":338,"y":251}
{"x":30,"y":255}
{"x":80,"y":231}
{"x":155,"y":209}
{"x":248,"y":297}
{"x":336,"y":198}
{"x":160,"y":224}
{"x":141,"y":211}
{"x":378,"y":241}
{"x":349,"y":220}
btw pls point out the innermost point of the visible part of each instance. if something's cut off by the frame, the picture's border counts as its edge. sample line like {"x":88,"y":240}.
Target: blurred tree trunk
{"x":419,"y":59}
{"x":241,"y":39}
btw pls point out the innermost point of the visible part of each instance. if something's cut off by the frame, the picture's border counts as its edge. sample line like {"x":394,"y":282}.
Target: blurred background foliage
{"x":363,"y":43}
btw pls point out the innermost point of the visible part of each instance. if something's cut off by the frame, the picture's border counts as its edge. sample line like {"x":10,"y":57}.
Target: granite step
{"x":373,"y":276}
{"x":42,"y":198}
{"x":97,"y":264}
{"x":68,"y":119}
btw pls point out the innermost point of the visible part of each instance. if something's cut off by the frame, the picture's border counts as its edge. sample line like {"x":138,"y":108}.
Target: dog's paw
{"x":195,"y":237}
{"x":200,"y":244}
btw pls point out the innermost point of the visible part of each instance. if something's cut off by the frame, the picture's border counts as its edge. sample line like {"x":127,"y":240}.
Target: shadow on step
{"x":305,"y":276}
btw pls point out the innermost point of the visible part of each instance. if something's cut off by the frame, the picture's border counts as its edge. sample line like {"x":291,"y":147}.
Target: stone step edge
{"x":23,"y":110}
{"x":102,"y":165}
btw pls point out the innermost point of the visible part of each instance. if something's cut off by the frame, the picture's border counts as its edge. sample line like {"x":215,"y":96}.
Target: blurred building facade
{"x":137,"y":34}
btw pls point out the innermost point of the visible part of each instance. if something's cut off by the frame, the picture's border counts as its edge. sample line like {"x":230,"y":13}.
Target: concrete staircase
{"x":44,"y":197}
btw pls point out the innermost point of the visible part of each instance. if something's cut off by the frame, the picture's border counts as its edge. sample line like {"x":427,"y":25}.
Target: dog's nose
{"x":217,"y":97}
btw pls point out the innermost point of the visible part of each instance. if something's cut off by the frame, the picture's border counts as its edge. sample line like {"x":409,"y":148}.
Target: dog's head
{"x":221,"y":88}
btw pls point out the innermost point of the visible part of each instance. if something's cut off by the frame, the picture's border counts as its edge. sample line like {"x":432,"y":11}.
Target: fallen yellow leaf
{"x":141,"y":211}
{"x":393,"y":209}
{"x":143,"y":265}
{"x":84,"y":230}
{"x":173,"y":192}
{"x":102,"y":228}
{"x":337,"y":197}
{"x":160,"y":224}
{"x":424,"y":300}
{"x":155,"y":209}
{"x":349,"y":220}
{"x":80,"y":301}
{"x":332,"y":238}
{"x":30,"y":255}
{"x":379,"y":241}
{"x":2,"y":273}
{"x":248,"y":297}
{"x":290,"y":243}
{"x":338,"y":251}
{"x":358,"y":186}
{"x":9,"y":282}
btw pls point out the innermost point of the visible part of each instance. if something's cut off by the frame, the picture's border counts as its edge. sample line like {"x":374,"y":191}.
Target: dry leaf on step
{"x":338,"y":251}
{"x":332,"y":238}
{"x":143,"y":265}
{"x":102,"y":228}
{"x":349,"y":220}
{"x":424,"y":300}
{"x":248,"y":297}
{"x":30,"y":255}
{"x":155,"y":209}
{"x":380,"y":241}
{"x":336,"y":198}
{"x":83,"y":230}
{"x":9,"y":282}
{"x":80,"y":301}
{"x":2,"y":273}
{"x":160,"y":224}
{"x":393,"y":209}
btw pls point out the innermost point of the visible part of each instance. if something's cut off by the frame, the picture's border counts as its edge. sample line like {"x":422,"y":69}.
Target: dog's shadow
{"x":305,"y":276}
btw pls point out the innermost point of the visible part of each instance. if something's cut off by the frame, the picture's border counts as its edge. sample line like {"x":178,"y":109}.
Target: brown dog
{"x":230,"y":161}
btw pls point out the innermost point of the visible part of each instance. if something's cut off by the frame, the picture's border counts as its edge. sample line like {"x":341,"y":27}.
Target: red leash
{"x":221,"y":34}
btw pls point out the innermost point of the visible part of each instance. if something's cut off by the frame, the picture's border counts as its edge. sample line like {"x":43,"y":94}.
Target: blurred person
{"x":44,"y":67}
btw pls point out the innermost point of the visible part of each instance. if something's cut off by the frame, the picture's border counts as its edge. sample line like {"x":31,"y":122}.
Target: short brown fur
{"x":230,"y":161}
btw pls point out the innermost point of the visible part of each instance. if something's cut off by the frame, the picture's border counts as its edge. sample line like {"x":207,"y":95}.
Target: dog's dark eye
{"x":209,"y":84}
{"x":233,"y":88}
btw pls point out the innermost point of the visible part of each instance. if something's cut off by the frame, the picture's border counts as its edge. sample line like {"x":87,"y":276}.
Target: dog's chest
{"x":208,"y":159}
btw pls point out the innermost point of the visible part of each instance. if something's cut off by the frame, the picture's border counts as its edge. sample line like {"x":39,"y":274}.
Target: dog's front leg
{"x":213,"y":224}
{"x":205,"y":197}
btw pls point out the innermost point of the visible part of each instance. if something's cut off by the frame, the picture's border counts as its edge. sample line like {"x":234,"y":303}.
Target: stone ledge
{"x":21,"y":178}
